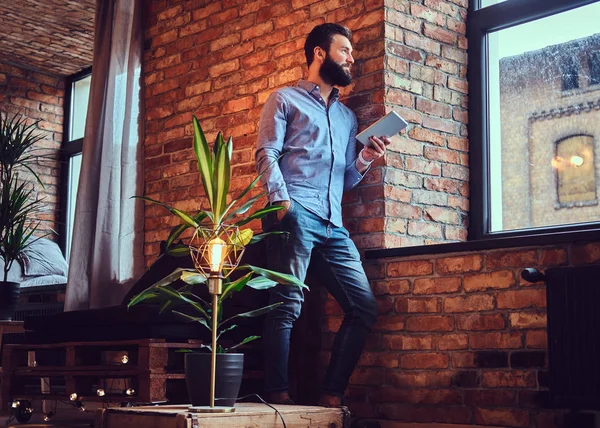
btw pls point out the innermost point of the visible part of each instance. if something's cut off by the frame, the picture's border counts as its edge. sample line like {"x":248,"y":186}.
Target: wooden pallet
{"x":245,"y":415}
{"x":87,"y":366}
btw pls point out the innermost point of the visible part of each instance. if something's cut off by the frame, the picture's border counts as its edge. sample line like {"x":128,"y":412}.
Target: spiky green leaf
{"x":259,"y":214}
{"x":245,"y":207}
{"x":185,"y":217}
{"x":252,"y":314}
{"x":225,"y":330}
{"x":236,"y":285}
{"x":200,"y":320}
{"x":179,"y":251}
{"x":261,"y":236}
{"x":243,"y":342}
{"x":204,"y":158}
{"x":193,"y":278}
{"x":281,"y":278}
{"x":221,"y":178}
{"x":261,"y":283}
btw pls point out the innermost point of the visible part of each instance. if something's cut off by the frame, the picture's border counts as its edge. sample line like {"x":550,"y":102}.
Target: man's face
{"x":335,"y":70}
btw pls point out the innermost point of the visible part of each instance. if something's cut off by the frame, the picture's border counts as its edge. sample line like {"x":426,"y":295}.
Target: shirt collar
{"x":313,"y":89}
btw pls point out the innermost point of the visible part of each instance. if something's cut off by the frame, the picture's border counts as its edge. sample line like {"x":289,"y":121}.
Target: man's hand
{"x":377,"y":149}
{"x":281,"y":213}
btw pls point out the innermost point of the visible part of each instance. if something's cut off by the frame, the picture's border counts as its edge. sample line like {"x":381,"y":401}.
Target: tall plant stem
{"x":213,"y":365}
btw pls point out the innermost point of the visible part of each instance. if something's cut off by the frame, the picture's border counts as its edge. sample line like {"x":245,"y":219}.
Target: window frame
{"x":69,"y":148}
{"x":480,"y":22}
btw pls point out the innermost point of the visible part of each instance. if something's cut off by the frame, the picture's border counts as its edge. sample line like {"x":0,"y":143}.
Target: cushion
{"x":43,"y":257}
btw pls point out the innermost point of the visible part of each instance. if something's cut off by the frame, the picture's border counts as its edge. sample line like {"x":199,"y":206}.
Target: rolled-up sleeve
{"x":352,"y":177}
{"x":271,"y":136}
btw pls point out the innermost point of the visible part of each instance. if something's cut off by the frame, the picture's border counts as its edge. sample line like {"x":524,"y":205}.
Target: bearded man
{"x":307,"y":146}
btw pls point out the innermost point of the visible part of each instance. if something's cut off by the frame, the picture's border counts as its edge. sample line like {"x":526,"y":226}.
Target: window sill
{"x":563,"y":237}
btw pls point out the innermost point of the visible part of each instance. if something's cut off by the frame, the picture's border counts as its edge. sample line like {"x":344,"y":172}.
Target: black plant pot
{"x":9,"y":298}
{"x":229,"y":371}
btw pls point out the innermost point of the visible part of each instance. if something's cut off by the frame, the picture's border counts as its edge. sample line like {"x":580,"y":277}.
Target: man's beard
{"x":333,"y":73}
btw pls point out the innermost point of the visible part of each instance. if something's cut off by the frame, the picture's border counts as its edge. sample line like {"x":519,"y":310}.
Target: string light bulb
{"x":130,"y":391}
{"x":15,"y":404}
{"x":125,"y":359}
{"x":48,"y":415}
{"x":80,"y":405}
{"x":73,"y":396}
{"x":100,"y":392}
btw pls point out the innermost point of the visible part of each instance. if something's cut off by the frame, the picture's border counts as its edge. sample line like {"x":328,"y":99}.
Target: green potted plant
{"x":17,"y":201}
{"x":222,"y":223}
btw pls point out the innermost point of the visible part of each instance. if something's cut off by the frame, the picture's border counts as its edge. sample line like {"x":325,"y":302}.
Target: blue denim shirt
{"x":318,"y":144}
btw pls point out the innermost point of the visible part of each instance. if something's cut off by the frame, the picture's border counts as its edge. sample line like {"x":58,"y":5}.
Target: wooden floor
{"x":245,"y":415}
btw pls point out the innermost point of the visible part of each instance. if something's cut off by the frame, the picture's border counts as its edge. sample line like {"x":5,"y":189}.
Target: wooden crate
{"x":245,"y":415}
{"x":82,"y":367}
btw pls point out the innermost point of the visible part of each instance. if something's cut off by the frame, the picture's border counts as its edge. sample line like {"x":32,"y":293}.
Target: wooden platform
{"x":245,"y":415}
{"x":54,"y":371}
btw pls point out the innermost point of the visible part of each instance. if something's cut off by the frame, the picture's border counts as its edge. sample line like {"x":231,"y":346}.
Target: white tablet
{"x":388,"y":125}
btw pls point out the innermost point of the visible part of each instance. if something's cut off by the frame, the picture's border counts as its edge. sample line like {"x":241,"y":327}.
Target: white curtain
{"x":107,"y":248}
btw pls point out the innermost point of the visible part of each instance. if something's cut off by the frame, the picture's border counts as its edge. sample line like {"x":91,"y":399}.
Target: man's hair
{"x":322,"y":36}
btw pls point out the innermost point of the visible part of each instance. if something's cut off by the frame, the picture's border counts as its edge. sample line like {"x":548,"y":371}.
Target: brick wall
{"x":461,"y":338}
{"x":220,"y":60}
{"x":39,"y":97}
{"x":426,"y":83}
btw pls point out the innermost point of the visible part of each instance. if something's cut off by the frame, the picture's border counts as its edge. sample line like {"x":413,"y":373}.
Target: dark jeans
{"x":331,"y":246}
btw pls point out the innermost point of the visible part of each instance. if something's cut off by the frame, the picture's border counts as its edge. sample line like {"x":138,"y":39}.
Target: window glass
{"x":79,"y":103}
{"x":543,"y":112}
{"x":486,"y":3}
{"x":74,"y":170}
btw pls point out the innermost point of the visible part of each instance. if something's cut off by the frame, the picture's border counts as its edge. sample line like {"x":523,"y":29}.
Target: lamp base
{"x":208,"y":409}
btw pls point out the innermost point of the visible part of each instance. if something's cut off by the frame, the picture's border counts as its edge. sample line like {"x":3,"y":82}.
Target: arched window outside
{"x":575,"y":171}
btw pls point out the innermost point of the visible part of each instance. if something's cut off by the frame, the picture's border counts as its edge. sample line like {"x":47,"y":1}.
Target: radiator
{"x":573,"y":296}
{"x":31,"y":309}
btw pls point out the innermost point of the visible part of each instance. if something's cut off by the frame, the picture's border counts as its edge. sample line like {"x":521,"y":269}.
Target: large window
{"x":534,"y":116}
{"x":78,"y":93}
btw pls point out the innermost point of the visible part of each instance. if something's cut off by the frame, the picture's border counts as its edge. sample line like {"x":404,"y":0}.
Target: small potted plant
{"x":222,"y":223}
{"x":18,"y":204}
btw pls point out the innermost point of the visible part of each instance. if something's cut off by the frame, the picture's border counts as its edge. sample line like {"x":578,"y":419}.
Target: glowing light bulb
{"x":576,"y":161}
{"x":73,"y":396}
{"x":15,"y":404}
{"x":100,"y":392}
{"x":130,"y":391}
{"x":216,"y":254}
{"x":48,"y":415}
{"x":125,"y":359}
{"x":82,"y":408}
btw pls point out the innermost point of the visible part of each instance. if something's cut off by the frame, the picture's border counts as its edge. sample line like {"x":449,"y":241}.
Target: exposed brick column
{"x":426,"y":181}
{"x":39,"y":97}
